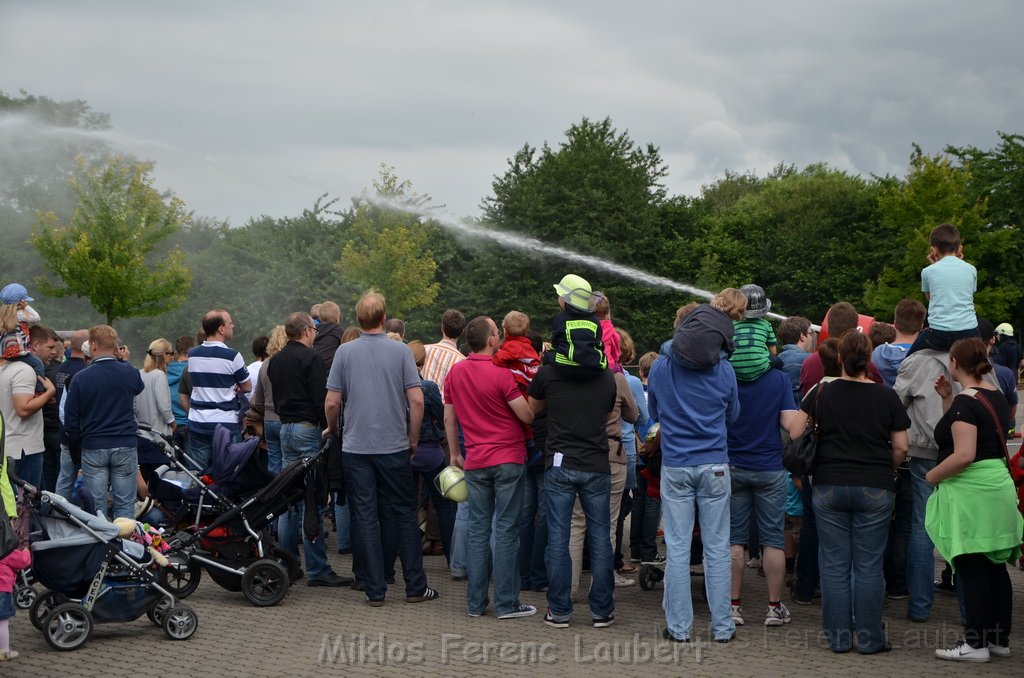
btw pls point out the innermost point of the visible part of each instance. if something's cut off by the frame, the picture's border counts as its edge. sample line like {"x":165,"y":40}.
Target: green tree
{"x":108,"y":251}
{"x":389,"y":249}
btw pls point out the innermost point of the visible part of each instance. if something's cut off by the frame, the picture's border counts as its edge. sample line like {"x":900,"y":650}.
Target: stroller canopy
{"x":228,"y":459}
{"x":64,"y":533}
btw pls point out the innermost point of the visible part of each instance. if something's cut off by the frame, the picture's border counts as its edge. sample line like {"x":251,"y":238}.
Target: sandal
{"x":628,"y":568}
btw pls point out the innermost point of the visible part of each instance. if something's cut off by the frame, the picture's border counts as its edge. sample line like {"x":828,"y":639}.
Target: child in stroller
{"x":95,"y":576}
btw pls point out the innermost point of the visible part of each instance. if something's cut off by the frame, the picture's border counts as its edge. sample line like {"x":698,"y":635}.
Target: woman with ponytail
{"x":972,"y":516}
{"x":862,"y":438}
{"x":153,"y":405}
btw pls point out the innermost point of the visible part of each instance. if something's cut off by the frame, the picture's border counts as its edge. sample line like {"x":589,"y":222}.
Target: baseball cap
{"x":14,"y":293}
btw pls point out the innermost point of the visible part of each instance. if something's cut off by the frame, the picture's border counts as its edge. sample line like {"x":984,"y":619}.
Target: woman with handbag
{"x":972,"y":516}
{"x":862,"y":438}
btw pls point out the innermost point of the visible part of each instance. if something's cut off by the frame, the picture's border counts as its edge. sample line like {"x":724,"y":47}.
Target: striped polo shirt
{"x":215,"y":370}
{"x":438,"y":361}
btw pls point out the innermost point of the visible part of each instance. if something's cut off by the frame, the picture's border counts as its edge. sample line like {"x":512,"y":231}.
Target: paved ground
{"x":317,"y":631}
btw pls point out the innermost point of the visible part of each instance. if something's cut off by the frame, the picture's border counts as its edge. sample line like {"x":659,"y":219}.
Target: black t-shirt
{"x":576,"y":418}
{"x":854,"y":424}
{"x":967,"y":409}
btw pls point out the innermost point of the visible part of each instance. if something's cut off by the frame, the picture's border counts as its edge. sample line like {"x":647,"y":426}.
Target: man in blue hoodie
{"x":908,"y":319}
{"x":99,"y":421}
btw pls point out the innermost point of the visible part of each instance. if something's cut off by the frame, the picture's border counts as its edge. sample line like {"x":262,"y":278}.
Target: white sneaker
{"x":737,"y":615}
{"x":998,"y":650}
{"x":962,"y":652}
{"x":623,"y":581}
{"x":777,"y":616}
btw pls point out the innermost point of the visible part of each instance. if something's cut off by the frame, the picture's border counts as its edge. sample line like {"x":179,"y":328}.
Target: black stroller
{"x":95,"y":577}
{"x":231,"y":540}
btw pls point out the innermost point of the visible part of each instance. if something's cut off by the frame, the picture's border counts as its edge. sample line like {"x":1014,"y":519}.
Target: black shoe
{"x":358,"y":585}
{"x":330,"y":579}
{"x":726,"y":640}
{"x":668,"y":636}
{"x":602,"y":622}
{"x":428,"y":594}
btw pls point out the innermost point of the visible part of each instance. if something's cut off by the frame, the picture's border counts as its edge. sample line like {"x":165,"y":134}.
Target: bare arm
{"x":521,"y":408}
{"x":965,"y":448}
{"x":332,"y":410}
{"x":794,"y":422}
{"x":26,"y":405}
{"x":900,"y":441}
{"x":244,"y":386}
{"x":451,"y":429}
{"x":414,"y":396}
{"x":184,"y":401}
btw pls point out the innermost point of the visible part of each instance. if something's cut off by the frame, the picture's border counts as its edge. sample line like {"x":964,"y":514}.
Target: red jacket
{"x":517,"y":354}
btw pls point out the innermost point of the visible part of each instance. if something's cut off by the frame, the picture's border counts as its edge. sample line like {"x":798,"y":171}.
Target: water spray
{"x":534,"y":246}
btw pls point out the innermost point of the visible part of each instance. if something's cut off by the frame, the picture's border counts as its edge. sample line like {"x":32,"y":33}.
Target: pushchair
{"x":231,"y":540}
{"x":95,"y":577}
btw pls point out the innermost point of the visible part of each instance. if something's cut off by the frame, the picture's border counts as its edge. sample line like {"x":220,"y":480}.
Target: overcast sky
{"x":257,"y":107}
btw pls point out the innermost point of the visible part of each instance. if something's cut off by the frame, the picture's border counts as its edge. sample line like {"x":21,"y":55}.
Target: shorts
{"x":6,"y":605}
{"x":763,"y":495}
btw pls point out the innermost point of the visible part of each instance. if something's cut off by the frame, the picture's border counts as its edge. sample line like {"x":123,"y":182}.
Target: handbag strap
{"x":817,"y":394}
{"x":995,"y":420}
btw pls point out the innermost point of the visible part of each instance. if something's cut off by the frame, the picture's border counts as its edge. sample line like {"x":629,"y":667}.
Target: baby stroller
{"x":653,"y":572}
{"x":95,"y":577}
{"x":231,"y":541}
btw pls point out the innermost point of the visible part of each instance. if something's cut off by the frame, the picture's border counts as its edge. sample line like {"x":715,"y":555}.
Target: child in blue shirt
{"x":949,"y":283}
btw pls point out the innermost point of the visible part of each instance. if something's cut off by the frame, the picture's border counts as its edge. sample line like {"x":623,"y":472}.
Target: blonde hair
{"x":103,"y":337}
{"x":394,"y":335}
{"x":278,"y":339}
{"x":684,"y":311}
{"x":515,"y":324}
{"x":9,"y":317}
{"x":156,"y":355}
{"x":732,"y":302}
{"x":419,"y":353}
{"x":370,"y":310}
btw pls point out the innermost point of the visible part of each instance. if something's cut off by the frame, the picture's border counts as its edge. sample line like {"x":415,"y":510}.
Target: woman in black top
{"x":972,"y":516}
{"x":862,"y":439}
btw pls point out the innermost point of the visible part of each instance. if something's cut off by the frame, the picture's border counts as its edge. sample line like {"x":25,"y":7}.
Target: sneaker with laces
{"x":555,"y":623}
{"x":520,"y":611}
{"x":623,"y":581}
{"x":602,"y":622}
{"x":777,"y":615}
{"x":998,"y":650}
{"x":962,"y":652}
{"x":737,"y":615}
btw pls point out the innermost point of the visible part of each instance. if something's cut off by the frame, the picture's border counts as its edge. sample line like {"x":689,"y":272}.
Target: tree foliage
{"x":108,"y":251}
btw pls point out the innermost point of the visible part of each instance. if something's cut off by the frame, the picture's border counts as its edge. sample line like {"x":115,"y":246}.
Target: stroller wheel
{"x":183,"y":577}
{"x":67,"y":627}
{"x":289,"y":561}
{"x":158,"y":611}
{"x":43,"y":606}
{"x":180,"y":622}
{"x":24,"y":597}
{"x":265,"y":583}
{"x":646,"y":577}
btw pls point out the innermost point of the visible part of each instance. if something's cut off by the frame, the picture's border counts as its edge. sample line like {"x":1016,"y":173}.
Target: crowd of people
{"x":558,"y":443}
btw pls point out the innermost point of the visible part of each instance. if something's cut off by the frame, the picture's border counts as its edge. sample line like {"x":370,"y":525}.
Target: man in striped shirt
{"x":441,"y":356}
{"x":218,"y":375}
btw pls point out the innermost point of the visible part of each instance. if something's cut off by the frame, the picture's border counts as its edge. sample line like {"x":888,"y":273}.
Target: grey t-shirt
{"x":372,"y":374}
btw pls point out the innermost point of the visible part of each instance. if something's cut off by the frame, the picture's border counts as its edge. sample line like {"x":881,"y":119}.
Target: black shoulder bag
{"x":798,"y":456}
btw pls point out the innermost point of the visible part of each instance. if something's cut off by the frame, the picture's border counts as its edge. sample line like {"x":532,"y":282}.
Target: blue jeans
{"x":444,"y":508}
{"x":460,"y":540}
{"x":272,"y":434}
{"x":854,"y":529}
{"x":703,"y":489}
{"x":386,"y":479}
{"x":30,"y":468}
{"x":495,"y":499}
{"x":761,"y":495}
{"x":115,"y":468}
{"x":297,"y":441}
{"x":644,"y":516}
{"x":920,"y":550}
{"x":561,"y":487}
{"x":200,"y":449}
{"x":533,"y":531}
{"x":342,"y":526}
{"x":68,"y":473}
{"x":808,"y":574}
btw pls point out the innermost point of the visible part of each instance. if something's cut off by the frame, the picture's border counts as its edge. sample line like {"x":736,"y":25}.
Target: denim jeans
{"x":30,"y":468}
{"x":581,"y":530}
{"x":703,"y":490}
{"x":561,"y":487}
{"x":68,"y":473}
{"x":899,"y":536}
{"x":808,"y":574}
{"x":115,"y":468}
{"x":385,"y":480}
{"x":444,"y":508}
{"x":272,"y":434}
{"x":342,"y":527}
{"x":495,"y":498}
{"x":646,"y":515}
{"x":920,"y":550}
{"x":460,"y":541}
{"x":200,"y":449}
{"x":854,"y":528}
{"x":533,"y":531}
{"x":297,"y":441}
{"x":758,"y":498}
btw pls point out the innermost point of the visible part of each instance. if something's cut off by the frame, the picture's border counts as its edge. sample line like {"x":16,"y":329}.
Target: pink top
{"x":481,"y":392}
{"x":17,"y":559}
{"x":612,"y":344}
